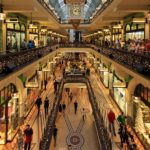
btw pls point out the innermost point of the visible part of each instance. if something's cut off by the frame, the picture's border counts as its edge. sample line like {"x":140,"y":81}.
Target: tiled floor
{"x":72,"y":127}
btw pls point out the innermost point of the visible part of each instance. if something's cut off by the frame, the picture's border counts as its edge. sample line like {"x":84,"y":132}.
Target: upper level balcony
{"x":139,"y":63}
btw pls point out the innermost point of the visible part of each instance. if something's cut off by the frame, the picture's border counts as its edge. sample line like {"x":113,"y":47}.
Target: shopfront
{"x":43,"y":40}
{"x":107,"y":35}
{"x":116,"y":34}
{"x":16,"y":34}
{"x":9,"y":113}
{"x":32,"y":87}
{"x":43,"y":36}
{"x":118,"y":91}
{"x":141,"y":113}
{"x":34,"y":36}
{"x":134,"y":31}
{"x":104,"y":74}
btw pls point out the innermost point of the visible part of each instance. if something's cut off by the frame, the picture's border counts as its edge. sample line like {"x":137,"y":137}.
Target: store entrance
{"x":13,"y":118}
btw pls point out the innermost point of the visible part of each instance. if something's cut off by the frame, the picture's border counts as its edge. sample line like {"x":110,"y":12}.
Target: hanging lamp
{"x":31,"y":24}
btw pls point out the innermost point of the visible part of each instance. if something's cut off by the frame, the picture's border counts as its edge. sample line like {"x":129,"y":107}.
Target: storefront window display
{"x":32,"y":93}
{"x":119,"y":96}
{"x":43,"y":40}
{"x":34,"y":35}
{"x":141,"y":113}
{"x":118,"y":93}
{"x":9,"y":113}
{"x":134,"y":31}
{"x":16,"y":34}
{"x":104,"y":74}
{"x":116,"y":35}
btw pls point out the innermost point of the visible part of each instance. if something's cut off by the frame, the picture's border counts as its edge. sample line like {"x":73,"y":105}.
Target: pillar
{"x":147,"y":30}
{"x":2,"y":36}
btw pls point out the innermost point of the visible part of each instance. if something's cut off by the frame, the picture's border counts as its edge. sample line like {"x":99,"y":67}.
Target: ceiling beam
{"x":40,"y":18}
{"x":131,"y":8}
{"x":110,"y":19}
{"x":22,"y":8}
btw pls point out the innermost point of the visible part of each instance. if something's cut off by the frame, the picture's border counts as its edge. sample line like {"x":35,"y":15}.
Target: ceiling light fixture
{"x":31,"y":24}
{"x":2,"y":14}
{"x":139,"y":20}
{"x":118,"y":26}
{"x":12,"y":20}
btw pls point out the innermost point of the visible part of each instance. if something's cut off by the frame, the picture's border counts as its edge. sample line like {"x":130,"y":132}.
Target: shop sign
{"x":32,"y":85}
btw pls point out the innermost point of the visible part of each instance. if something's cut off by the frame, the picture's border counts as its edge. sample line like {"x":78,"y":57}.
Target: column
{"x":2,"y":36}
{"x":147,"y":29}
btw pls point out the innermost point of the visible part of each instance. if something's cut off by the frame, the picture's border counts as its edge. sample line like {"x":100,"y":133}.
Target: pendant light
{"x":31,"y":25}
{"x":119,"y":25}
{"x":2,"y":15}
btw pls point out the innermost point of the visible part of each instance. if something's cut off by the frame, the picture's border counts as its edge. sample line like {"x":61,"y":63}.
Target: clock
{"x":76,"y":10}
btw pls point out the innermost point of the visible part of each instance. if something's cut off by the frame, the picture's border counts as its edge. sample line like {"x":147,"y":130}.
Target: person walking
{"x":121,"y":119}
{"x":83,"y":114}
{"x":28,"y":133}
{"x":71,"y":97}
{"x":120,"y":134}
{"x":20,"y":140}
{"x":38,"y":103}
{"x":75,"y":107}
{"x":111,"y":119}
{"x":46,"y":105}
{"x":55,"y":134}
{"x":45,"y":84}
{"x":60,"y":108}
{"x":55,"y":86}
{"x":125,"y":137}
{"x":64,"y":106}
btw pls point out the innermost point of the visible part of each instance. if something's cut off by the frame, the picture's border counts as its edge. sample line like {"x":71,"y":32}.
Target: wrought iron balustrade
{"x":137,"y":62}
{"x":13,"y":61}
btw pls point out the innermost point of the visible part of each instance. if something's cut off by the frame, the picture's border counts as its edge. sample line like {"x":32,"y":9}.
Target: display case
{"x":9,"y":113}
{"x":16,"y":34}
{"x":134,"y":31}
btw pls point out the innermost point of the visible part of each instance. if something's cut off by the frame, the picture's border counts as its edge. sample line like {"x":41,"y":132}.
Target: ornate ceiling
{"x":61,"y":8}
{"x":74,"y":1}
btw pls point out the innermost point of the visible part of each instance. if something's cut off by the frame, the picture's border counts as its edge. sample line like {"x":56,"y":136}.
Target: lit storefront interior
{"x":118,"y":92}
{"x":141,"y":113}
{"x":9,"y":113}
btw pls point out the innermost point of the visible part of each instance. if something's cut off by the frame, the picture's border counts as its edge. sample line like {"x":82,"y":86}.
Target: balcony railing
{"x":48,"y":132}
{"x":105,"y":141}
{"x":14,"y":61}
{"x":137,"y":62}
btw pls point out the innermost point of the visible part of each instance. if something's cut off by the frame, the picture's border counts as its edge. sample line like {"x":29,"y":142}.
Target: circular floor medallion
{"x":75,"y":139}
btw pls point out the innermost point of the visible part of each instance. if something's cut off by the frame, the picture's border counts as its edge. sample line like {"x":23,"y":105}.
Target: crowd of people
{"x":133,"y":45}
{"x":19,"y":59}
{"x":135,"y":62}
{"x":126,"y":138}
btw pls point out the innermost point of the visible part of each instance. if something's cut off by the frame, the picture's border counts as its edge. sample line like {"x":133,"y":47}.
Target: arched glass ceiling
{"x":60,"y":8}
{"x":62,"y":11}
